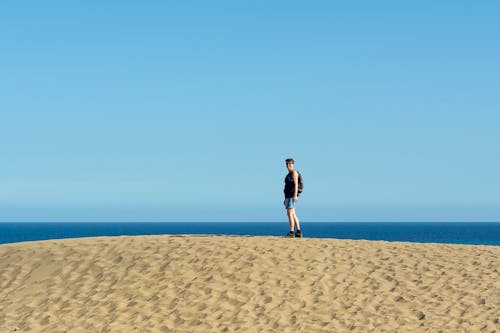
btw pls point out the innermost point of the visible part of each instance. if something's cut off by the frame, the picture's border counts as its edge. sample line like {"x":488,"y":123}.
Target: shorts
{"x":289,"y":203}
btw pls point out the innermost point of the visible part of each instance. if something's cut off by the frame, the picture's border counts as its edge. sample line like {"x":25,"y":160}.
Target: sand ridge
{"x":247,"y":284}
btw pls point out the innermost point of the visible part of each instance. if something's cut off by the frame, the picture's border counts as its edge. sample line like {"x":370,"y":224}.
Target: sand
{"x":247,"y":284}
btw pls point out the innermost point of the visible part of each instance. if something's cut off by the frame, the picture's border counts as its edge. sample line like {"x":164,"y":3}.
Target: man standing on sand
{"x":291,"y":197}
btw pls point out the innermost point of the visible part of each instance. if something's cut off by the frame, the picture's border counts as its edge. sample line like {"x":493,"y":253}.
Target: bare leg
{"x":290,"y":212}
{"x":296,"y":220}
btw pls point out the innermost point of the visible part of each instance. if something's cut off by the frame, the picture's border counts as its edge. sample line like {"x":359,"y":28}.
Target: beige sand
{"x":247,"y":284}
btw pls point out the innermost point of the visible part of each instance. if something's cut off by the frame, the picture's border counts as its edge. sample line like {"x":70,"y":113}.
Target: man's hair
{"x":290,"y":160}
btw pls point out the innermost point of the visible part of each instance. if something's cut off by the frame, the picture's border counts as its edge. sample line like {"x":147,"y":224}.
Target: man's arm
{"x":296,"y":182}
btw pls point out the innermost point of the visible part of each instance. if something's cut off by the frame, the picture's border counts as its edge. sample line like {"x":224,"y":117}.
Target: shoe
{"x":290,"y":234}
{"x":298,"y":234}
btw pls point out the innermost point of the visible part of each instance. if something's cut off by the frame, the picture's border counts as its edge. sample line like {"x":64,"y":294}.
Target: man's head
{"x":289,"y":164}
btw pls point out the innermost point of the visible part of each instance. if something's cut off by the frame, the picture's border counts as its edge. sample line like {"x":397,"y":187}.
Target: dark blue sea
{"x":479,"y":233}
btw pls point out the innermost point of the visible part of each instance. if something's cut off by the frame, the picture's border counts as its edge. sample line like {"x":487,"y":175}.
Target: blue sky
{"x":186,"y":110}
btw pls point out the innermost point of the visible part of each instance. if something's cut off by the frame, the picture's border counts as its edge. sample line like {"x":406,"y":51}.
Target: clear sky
{"x":186,"y":110}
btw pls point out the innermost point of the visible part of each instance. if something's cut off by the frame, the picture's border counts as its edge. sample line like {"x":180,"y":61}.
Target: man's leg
{"x":296,"y":220}
{"x":291,"y":220}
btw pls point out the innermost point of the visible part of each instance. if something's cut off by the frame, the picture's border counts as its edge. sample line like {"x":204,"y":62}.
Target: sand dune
{"x":247,"y":284}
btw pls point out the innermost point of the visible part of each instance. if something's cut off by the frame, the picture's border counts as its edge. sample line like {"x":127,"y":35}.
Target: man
{"x":291,"y":197}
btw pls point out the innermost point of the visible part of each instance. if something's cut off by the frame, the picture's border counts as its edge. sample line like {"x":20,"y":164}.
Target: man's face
{"x":289,"y":166}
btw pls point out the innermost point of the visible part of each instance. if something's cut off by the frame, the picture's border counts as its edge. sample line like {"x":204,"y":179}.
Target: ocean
{"x":478,"y":233}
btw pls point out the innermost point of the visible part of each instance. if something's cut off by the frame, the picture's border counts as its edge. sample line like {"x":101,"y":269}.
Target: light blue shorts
{"x":289,"y":203}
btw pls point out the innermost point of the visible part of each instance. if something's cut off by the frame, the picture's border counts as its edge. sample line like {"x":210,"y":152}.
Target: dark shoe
{"x":290,"y":234}
{"x":298,"y":234}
